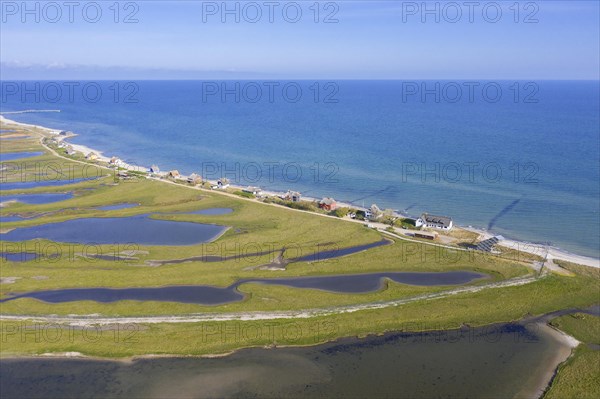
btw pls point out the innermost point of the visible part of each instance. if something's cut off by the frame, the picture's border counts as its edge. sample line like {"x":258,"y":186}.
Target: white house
{"x":433,"y":221}
{"x":373,"y":213}
{"x":253,"y":190}
{"x":222,"y":183}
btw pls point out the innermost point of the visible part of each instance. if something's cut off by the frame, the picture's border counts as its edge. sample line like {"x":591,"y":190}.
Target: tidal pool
{"x":139,"y":229}
{"x":209,"y":295}
{"x":37,"y":199}
{"x":18,"y":256}
{"x":11,"y":156}
{"x":336,"y":253}
{"x":14,"y":218}
{"x":501,"y":361}
{"x":316,"y":256}
{"x":41,"y":183}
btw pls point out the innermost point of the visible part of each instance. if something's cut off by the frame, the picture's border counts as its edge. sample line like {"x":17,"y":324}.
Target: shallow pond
{"x":209,"y":295}
{"x":18,"y":256}
{"x":41,"y":183}
{"x":500,"y":361}
{"x":337,"y":252}
{"x":139,"y":229}
{"x":37,"y":199}
{"x":11,"y":218}
{"x":11,"y":156}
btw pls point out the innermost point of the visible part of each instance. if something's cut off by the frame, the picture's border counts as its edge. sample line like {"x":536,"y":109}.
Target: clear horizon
{"x":350,"y":40}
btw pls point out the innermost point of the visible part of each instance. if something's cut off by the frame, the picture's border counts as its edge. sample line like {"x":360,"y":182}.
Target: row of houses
{"x":329,"y":204}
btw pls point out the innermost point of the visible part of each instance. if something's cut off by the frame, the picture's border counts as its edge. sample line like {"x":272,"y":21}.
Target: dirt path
{"x":86,"y":320}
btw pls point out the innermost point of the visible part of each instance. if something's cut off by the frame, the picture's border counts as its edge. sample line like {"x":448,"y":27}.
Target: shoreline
{"x":538,"y":387}
{"x":524,"y":246}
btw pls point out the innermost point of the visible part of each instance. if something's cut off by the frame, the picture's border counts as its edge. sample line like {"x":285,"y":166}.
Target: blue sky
{"x":371,"y":40}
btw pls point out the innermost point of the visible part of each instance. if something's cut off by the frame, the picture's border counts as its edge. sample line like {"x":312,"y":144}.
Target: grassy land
{"x":485,"y":307}
{"x":254,"y":227}
{"x":584,"y":327}
{"x":579,"y":377}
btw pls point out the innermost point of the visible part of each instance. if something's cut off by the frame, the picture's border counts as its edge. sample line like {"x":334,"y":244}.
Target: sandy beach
{"x":536,"y":249}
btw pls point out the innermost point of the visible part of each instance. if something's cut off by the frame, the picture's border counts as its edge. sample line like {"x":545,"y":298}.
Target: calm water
{"x":11,"y":218}
{"x":42,"y":183}
{"x":336,"y":253}
{"x":11,"y":156}
{"x":18,"y":256}
{"x":208,"y":295}
{"x":139,"y":229}
{"x":37,"y":198}
{"x":493,"y":362}
{"x":519,"y":169}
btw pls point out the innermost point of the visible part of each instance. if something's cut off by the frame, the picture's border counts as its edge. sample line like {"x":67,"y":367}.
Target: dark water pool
{"x":37,"y":199}
{"x":18,"y":256}
{"x":11,"y":156}
{"x":337,"y":252}
{"x":15,"y":218}
{"x":208,"y":295}
{"x":41,"y":183}
{"x":139,"y":229}
{"x":501,"y":361}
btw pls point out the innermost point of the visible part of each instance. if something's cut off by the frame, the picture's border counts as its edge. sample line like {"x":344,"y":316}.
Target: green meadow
{"x":257,"y":234}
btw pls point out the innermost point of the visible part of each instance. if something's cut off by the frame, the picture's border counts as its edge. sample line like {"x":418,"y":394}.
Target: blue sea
{"x":520,"y":159}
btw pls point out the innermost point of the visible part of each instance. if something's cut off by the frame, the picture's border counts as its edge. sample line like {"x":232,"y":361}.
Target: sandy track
{"x":85,"y":320}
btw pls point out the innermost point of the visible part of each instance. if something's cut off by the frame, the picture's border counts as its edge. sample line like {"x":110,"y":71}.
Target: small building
{"x":194,"y":179}
{"x":174,"y":174}
{"x":293,"y":196}
{"x":435,"y":222}
{"x":253,"y":190}
{"x":123,"y":174}
{"x":222,"y":183}
{"x":428,"y":236}
{"x":114,"y":161}
{"x":328,"y":204}
{"x":92,"y":156}
{"x":373,"y":213}
{"x":488,"y":245}
{"x":154,"y":170}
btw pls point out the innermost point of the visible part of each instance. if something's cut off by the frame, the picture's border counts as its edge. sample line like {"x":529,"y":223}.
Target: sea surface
{"x":520,"y":159}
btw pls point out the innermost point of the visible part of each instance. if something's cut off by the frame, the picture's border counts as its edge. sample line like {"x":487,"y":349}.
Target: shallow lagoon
{"x":42,"y":183}
{"x":18,"y":256}
{"x":11,"y":156}
{"x":139,"y":229}
{"x":500,"y":361}
{"x":209,"y":295}
{"x":37,"y":199}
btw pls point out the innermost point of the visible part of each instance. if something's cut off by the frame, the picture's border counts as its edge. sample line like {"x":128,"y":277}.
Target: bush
{"x":340,"y":212}
{"x":244,"y":194}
